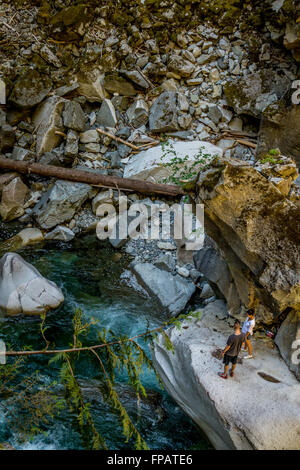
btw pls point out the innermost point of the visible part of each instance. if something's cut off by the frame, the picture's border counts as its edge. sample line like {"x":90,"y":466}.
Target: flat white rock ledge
{"x":244,"y":412}
{"x":23,"y":290}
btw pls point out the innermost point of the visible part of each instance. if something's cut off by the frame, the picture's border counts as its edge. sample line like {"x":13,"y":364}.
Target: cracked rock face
{"x":252,"y":213}
{"x":23,"y":290}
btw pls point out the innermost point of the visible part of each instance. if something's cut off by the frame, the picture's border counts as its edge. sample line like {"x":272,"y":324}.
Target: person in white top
{"x":247,"y":330}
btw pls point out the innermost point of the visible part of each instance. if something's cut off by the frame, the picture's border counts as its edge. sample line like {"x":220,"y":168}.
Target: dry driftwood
{"x":87,"y":177}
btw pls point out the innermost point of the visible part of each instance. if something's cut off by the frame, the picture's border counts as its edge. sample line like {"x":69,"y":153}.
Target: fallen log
{"x":81,"y":176}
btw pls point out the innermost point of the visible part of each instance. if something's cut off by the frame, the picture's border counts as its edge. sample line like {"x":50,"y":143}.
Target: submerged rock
{"x":257,"y":409}
{"x":23,"y":290}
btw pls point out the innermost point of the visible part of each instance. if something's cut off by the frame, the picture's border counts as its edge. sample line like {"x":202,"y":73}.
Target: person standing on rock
{"x":232,"y":350}
{"x":247,"y":330}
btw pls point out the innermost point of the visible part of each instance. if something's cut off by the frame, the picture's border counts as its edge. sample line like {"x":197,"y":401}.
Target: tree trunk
{"x":95,"y":179}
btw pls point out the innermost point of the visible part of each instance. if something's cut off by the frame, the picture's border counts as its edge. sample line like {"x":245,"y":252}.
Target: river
{"x":94,"y":278}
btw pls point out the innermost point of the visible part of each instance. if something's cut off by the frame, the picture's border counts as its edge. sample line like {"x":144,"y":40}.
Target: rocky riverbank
{"x":197,"y":93}
{"x":259,"y":408}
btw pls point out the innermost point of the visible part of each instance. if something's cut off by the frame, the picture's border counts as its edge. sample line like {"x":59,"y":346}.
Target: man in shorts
{"x":232,"y":350}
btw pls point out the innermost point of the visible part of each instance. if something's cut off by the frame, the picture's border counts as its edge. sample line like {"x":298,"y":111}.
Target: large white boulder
{"x":259,"y":408}
{"x":24,"y":290}
{"x":147,"y":165}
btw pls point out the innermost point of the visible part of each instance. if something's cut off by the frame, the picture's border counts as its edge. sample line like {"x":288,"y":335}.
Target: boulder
{"x":107,"y":116}
{"x":254,"y":93}
{"x":90,"y":136}
{"x":27,"y":236}
{"x":23,"y":290}
{"x":288,"y":342}
{"x":137,"y":78}
{"x":147,"y":165}
{"x":48,"y":120}
{"x":91,"y":85}
{"x":166,"y":262}
{"x":71,"y":22}
{"x":138,"y":113}
{"x":13,"y":199}
{"x":7,"y":138}
{"x":163,"y":113}
{"x":73,"y":116}
{"x":180,"y":66}
{"x":171,"y":292}
{"x":59,"y":204}
{"x":60,"y":233}
{"x":249,"y":216}
{"x":114,"y":83}
{"x":30,"y":89}
{"x":104,"y":197}
{"x":257,"y":409}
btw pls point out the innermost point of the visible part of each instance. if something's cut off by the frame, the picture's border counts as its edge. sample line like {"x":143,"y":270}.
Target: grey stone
{"x":60,"y":233}
{"x":181,"y":66}
{"x":71,"y":147}
{"x":21,"y":154}
{"x":137,"y":114}
{"x":288,"y":341}
{"x":7,"y":138}
{"x":51,"y":158}
{"x":214,"y":113}
{"x":30,"y":89}
{"x":59,"y":204}
{"x":116,"y":84}
{"x":89,"y":136}
{"x":107,"y":116}
{"x":206,"y":291}
{"x":172,"y":292}
{"x":254,"y":93}
{"x":91,"y":85}
{"x":13,"y":198}
{"x":73,"y":116}
{"x":23,"y":290}
{"x":65,"y":89}
{"x":163,"y":113}
{"x":137,"y":78}
{"x":166,"y":262}
{"x":48,"y":120}
{"x":115,"y":160}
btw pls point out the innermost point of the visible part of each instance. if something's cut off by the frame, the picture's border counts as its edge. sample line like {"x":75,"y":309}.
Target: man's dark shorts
{"x":227,"y":359}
